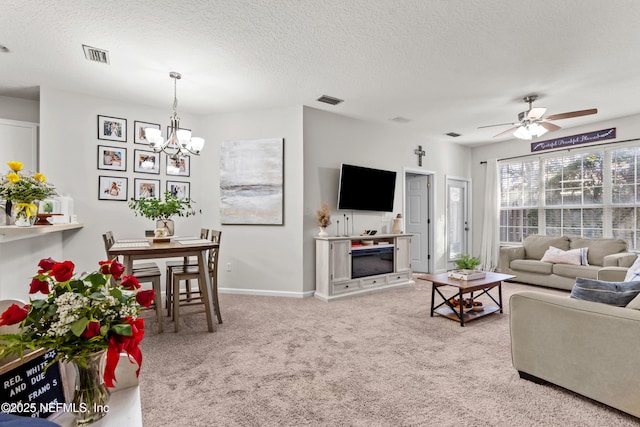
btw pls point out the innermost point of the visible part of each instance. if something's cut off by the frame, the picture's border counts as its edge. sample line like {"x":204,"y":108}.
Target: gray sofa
{"x":590,"y":348}
{"x":524,"y":261}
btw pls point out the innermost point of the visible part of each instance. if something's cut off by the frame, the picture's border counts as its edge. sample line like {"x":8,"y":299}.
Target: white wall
{"x":331,"y":139}
{"x":265,"y":259}
{"x":19,"y":109}
{"x":68,"y":157}
{"x":626,"y":128}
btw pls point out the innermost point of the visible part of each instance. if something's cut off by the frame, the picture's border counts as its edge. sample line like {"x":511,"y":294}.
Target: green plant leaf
{"x":122,"y":329}
{"x":79,"y":326}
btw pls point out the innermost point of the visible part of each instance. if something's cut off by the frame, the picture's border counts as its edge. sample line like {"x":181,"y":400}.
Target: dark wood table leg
{"x":500,"y":295}
{"x":461,"y":308}
{"x":433,"y":296}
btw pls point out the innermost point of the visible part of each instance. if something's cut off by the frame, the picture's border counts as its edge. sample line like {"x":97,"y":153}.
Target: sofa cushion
{"x":555,"y":255}
{"x":535,"y":245}
{"x":614,"y":293}
{"x":635,"y":303}
{"x":598,"y":248}
{"x":531,"y":266}
{"x":566,"y":270}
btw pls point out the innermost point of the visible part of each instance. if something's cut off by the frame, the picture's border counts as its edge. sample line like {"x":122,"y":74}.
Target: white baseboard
{"x":266,"y":293}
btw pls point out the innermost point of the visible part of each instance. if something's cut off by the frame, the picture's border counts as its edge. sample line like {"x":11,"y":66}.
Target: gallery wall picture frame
{"x":180,"y":189}
{"x":139,"y":129}
{"x":146,"y":188}
{"x":252,"y":182}
{"x":113,"y":188}
{"x":179,"y":165}
{"x":146,"y":161}
{"x":173,"y":144}
{"x":112,"y":158}
{"x":112,"y":128}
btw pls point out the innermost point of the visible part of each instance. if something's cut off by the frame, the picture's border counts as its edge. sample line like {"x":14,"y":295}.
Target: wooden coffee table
{"x":446,"y":309}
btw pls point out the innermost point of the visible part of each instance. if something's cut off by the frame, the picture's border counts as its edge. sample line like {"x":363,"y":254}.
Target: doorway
{"x":418,"y":199}
{"x":458,"y":219}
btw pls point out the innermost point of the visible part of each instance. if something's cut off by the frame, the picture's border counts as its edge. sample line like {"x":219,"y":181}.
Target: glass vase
{"x":24,"y":214}
{"x":91,"y":395}
{"x":167,"y":224}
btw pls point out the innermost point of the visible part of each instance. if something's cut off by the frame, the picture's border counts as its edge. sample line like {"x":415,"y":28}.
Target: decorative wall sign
{"x":138,"y":131}
{"x":112,"y":128}
{"x":112,"y":158}
{"x":252,"y":181}
{"x":112,"y":188}
{"x":567,"y":141}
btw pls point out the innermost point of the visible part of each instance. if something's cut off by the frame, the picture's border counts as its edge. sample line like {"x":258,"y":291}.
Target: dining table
{"x":172,"y":247}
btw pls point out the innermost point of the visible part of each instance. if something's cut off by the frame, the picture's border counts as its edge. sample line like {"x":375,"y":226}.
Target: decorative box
{"x":466,"y":274}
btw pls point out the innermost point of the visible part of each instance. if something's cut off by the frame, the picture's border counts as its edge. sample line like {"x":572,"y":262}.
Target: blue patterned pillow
{"x":613,"y":293}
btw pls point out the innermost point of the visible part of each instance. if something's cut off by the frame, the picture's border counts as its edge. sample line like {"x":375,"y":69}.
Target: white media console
{"x":346,"y":267}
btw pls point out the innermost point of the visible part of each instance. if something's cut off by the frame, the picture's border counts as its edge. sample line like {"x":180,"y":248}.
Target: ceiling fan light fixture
{"x":522,"y":133}
{"x":536,"y":130}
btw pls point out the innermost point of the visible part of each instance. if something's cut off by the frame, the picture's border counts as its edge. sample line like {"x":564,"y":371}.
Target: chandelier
{"x":179,"y":142}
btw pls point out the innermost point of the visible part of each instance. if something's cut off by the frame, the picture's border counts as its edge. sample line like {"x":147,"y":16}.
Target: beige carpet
{"x":373,"y":360}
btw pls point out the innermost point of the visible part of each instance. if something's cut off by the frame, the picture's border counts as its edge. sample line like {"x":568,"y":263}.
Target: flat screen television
{"x":366,"y":189}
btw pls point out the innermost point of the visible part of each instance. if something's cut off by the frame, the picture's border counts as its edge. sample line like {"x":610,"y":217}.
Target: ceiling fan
{"x":533,"y":123}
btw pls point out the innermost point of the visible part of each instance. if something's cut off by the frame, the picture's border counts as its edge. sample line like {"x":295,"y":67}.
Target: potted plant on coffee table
{"x":467,"y":265}
{"x":162,"y":211}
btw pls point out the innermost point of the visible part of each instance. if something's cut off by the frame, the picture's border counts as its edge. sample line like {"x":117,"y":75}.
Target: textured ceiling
{"x":447,"y":65}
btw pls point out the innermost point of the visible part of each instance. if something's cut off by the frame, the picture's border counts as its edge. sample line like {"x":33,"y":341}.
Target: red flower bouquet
{"x":80,"y":316}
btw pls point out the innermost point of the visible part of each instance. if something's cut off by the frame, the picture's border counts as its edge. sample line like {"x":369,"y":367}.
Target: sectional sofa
{"x":525,"y":262}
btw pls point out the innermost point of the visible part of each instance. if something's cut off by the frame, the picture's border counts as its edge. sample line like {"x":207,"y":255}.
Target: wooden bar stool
{"x":186,"y":273}
{"x":147,"y":272}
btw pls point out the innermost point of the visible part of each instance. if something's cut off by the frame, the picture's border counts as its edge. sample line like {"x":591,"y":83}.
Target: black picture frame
{"x":180,"y":189}
{"x":178,"y":166}
{"x":112,"y":128}
{"x":113,"y":188}
{"x":140,"y":156}
{"x":169,"y":134}
{"x":147,"y":188}
{"x":112,"y":158}
{"x":138,"y":131}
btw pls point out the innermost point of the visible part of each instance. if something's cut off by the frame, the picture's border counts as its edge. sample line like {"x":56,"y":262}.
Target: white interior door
{"x":417,"y":220}
{"x":458,"y":219}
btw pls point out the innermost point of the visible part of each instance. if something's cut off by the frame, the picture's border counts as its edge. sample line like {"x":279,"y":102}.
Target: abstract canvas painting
{"x":251,"y":181}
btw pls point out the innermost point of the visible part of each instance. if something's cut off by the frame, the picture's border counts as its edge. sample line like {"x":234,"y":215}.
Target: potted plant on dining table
{"x":162,"y":211}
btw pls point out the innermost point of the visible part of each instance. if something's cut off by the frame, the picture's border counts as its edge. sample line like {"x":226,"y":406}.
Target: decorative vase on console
{"x":397,"y":224}
{"x":324,"y":219}
{"x":23,"y":190}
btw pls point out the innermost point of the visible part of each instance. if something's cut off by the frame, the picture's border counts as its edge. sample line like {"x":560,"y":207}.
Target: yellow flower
{"x":40,"y":177}
{"x":13,"y":177}
{"x":15,"y":166}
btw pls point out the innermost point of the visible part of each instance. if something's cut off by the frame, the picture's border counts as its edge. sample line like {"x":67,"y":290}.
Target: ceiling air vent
{"x":96,"y":55}
{"x":400,"y":119}
{"x":329,"y":100}
{"x":453,"y":134}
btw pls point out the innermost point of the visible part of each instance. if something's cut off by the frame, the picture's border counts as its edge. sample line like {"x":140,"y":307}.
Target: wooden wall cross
{"x":420,"y":152}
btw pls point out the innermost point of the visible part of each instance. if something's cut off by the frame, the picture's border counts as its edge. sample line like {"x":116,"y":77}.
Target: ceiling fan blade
{"x":511,"y":130}
{"x":536,"y":113}
{"x":501,"y":124}
{"x":572,"y":114}
{"x":549,"y":126}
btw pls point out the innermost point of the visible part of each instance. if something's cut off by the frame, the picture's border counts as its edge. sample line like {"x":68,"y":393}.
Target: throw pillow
{"x":558,"y":256}
{"x":614,"y":293}
{"x":633,"y":273}
{"x":635,"y":303}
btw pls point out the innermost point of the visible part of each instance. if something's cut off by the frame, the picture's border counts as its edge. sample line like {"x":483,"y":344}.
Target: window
{"x":594,"y":193}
